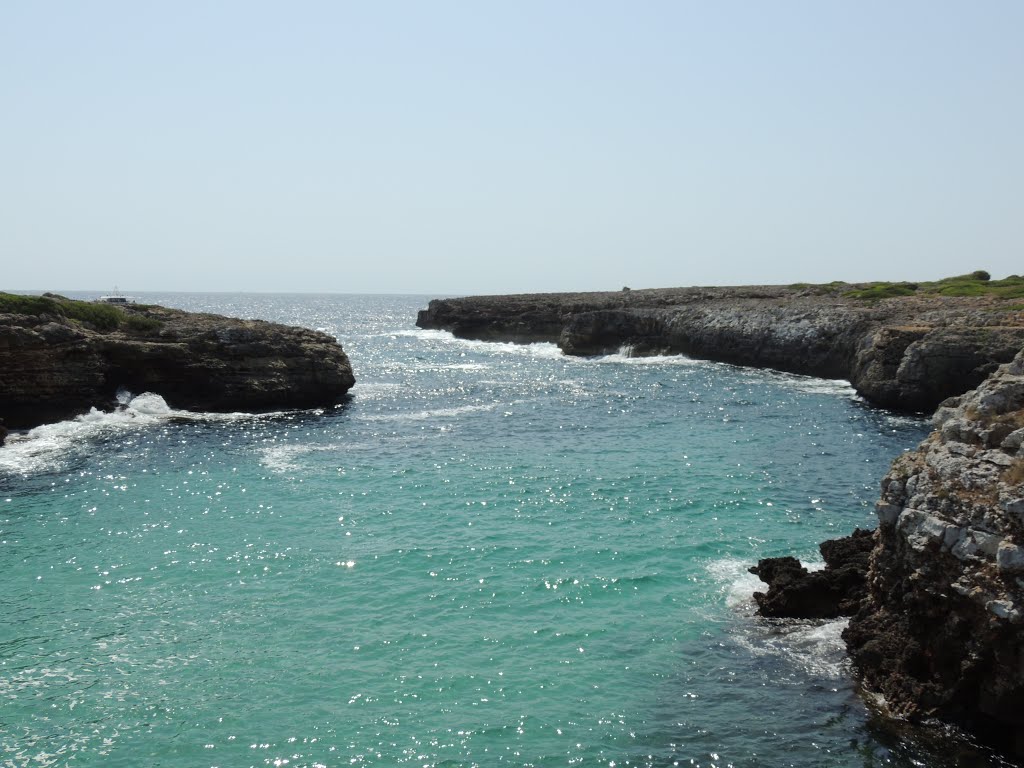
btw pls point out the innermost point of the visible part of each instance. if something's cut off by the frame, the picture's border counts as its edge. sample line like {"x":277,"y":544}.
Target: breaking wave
{"x":46,"y":447}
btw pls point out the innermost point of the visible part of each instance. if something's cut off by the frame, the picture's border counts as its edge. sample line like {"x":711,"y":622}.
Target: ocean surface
{"x":490,"y":555}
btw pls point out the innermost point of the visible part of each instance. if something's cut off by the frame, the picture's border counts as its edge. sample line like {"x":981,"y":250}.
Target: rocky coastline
{"x":56,"y":365}
{"x":905,"y":352}
{"x":937,"y":610}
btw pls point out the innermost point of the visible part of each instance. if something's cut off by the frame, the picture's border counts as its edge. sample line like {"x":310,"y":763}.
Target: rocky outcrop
{"x":837,"y":590}
{"x":55,"y":367}
{"x":907,"y":352}
{"x":918,"y":367}
{"x":936,"y":594}
{"x":941,"y":633}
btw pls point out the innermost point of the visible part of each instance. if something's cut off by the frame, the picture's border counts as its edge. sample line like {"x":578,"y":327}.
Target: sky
{"x":496,"y":147}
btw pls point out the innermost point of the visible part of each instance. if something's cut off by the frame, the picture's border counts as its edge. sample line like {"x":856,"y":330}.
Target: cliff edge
{"x":941,"y":632}
{"x":936,"y":593}
{"x":909,"y":350}
{"x":60,"y":357}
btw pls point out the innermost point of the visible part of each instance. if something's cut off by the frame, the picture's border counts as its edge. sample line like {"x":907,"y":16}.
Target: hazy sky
{"x":486,"y":147}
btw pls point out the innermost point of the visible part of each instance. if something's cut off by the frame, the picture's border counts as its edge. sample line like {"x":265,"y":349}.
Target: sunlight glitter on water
{"x":409,"y":579}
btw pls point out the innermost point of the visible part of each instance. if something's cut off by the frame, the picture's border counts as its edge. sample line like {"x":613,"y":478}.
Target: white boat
{"x":116,"y":298}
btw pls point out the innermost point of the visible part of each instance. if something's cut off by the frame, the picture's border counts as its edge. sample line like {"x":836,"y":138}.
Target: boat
{"x":116,"y":298}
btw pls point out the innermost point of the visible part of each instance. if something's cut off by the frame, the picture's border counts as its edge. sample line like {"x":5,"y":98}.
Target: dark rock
{"x":610,"y":330}
{"x":55,"y":368}
{"x":917,"y":368}
{"x":837,"y":590}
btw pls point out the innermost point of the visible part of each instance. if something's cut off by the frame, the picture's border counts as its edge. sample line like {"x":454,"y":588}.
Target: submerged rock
{"x":56,"y":366}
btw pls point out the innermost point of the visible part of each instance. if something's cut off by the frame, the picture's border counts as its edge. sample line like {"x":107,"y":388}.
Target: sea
{"x":489,"y":555}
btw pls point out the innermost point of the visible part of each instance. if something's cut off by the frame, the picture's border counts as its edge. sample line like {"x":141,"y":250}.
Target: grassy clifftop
{"x":100,"y":317}
{"x":977,"y":283}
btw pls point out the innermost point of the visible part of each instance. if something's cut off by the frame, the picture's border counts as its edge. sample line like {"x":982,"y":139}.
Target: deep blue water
{"x":491,"y":555}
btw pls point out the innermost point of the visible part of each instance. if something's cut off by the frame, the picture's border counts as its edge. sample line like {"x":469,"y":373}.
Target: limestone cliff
{"x":54,"y":365}
{"x":906,"y":352}
{"x":941,"y":633}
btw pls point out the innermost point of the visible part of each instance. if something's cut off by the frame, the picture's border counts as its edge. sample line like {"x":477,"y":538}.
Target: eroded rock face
{"x":916,"y":368}
{"x":941,"y":633}
{"x":54,"y":368}
{"x":908,"y":353}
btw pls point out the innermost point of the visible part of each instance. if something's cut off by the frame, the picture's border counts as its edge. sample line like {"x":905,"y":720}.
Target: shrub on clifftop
{"x":102,"y":317}
{"x":977,"y":283}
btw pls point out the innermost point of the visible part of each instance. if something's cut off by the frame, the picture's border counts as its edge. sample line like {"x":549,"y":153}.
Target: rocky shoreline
{"x":56,"y":366}
{"x":905,"y":352}
{"x":937,"y":611}
{"x":935,"y":595}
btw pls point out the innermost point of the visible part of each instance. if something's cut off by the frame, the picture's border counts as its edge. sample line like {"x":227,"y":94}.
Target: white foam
{"x":895,"y":420}
{"x":625,"y":356}
{"x":735,"y":581}
{"x":45,"y":447}
{"x":28,"y":747}
{"x":738,"y":584}
{"x":811,"y":386}
{"x":283,"y":458}
{"x":286,"y":458}
{"x":421,"y":333}
{"x":375,"y":390}
{"x":539,"y":349}
{"x":437,"y":413}
{"x":815,"y":647}
{"x":147,"y":405}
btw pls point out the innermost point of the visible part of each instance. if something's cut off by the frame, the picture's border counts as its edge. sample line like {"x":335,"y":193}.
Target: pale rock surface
{"x":941,"y":633}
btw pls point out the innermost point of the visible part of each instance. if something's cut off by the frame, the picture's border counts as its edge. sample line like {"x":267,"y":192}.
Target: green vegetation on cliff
{"x":883,"y":291}
{"x":977,"y":283}
{"x":102,"y":317}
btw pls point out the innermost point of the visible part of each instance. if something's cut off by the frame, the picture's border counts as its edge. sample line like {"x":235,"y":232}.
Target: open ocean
{"x":490,"y":555}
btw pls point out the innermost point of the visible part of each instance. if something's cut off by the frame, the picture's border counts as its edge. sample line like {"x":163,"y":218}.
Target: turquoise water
{"x":491,"y":555}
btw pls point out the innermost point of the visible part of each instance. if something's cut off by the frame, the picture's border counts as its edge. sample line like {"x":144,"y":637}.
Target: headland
{"x":902,"y":346}
{"x":61,"y":357}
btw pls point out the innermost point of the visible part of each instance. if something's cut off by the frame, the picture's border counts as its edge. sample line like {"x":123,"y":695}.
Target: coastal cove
{"x":489,"y":554}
